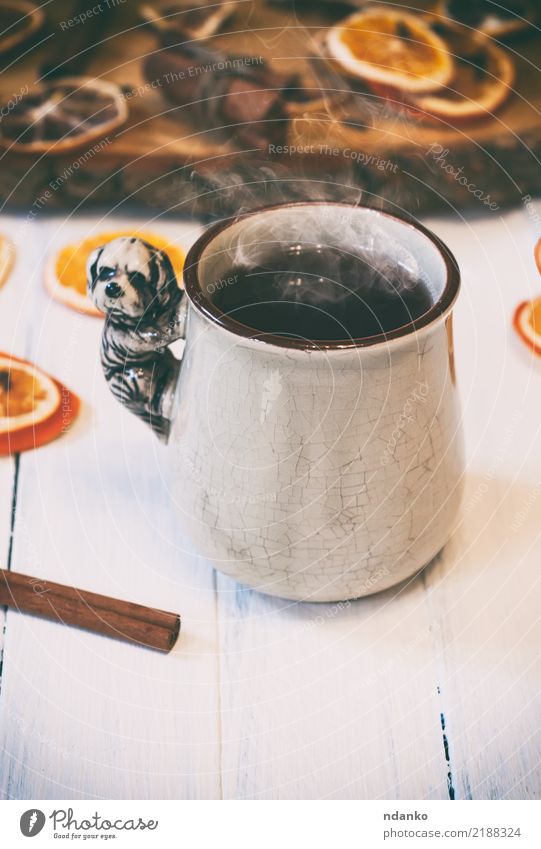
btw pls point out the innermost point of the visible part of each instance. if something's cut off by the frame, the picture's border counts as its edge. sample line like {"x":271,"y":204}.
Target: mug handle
{"x":134,"y":284}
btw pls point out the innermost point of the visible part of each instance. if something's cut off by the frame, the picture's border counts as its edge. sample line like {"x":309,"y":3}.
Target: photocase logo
{"x":32,"y":822}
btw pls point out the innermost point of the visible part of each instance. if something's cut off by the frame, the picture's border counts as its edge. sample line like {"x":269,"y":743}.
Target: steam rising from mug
{"x":356,"y":276}
{"x":338,"y":237}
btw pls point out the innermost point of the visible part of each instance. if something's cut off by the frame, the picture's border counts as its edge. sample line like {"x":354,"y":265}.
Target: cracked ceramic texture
{"x":318,"y":475}
{"x":314,"y":476}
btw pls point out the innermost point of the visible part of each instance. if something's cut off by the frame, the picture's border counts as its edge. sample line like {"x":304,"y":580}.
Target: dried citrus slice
{"x":19,"y":21}
{"x":183,"y":17}
{"x":34,"y":407}
{"x":62,"y":115}
{"x":7,"y":257}
{"x":537,"y":255}
{"x":527,"y":323}
{"x":494,"y":19}
{"x":392,"y":48}
{"x":65,"y":271}
{"x":483,"y":78}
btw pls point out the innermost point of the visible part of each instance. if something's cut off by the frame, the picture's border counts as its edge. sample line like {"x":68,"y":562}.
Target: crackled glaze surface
{"x":317,"y":475}
{"x":314,"y":476}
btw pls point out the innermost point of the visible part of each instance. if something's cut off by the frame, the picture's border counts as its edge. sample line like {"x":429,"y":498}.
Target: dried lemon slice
{"x":7,"y":257}
{"x":494,"y":19}
{"x":392,"y":48}
{"x":527,"y":317}
{"x":527,"y":323}
{"x":63,"y":115}
{"x":34,"y":407}
{"x":20,"y":20}
{"x":483,"y":78}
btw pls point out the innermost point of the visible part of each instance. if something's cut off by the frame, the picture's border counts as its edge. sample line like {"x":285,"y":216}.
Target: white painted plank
{"x":299,"y":711}
{"x":329,"y":701}
{"x":13,"y":302}
{"x":83,"y":716}
{"x":7,"y":475}
{"x":7,"y":480}
{"x":317,"y":701}
{"x":485,"y":593}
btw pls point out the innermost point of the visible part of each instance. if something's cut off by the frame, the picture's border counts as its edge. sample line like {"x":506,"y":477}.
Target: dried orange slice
{"x":62,"y":115}
{"x":537,"y":255}
{"x":34,"y":407}
{"x":65,"y":271}
{"x":483,"y":78}
{"x":527,"y":317}
{"x":494,"y":19}
{"x":7,"y":257}
{"x":392,"y":48}
{"x":527,"y":323}
{"x":201,"y":20}
{"x":20,"y":20}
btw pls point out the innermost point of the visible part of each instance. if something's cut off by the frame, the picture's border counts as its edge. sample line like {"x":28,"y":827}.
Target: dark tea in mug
{"x":320,"y":293}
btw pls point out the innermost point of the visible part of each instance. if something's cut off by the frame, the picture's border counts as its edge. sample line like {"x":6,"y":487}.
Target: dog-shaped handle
{"x":134,"y":284}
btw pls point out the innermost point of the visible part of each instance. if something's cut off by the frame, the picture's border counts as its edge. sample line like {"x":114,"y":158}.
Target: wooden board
{"x":164,"y":158}
{"x":261,"y":698}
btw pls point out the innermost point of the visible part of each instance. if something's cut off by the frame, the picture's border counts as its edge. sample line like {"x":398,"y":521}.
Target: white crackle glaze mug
{"x":317,"y":472}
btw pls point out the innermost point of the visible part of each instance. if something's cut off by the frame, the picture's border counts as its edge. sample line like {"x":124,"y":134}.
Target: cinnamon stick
{"x":112,"y":617}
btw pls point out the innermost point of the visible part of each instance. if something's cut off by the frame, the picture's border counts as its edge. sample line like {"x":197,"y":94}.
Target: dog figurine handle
{"x":134,"y":284}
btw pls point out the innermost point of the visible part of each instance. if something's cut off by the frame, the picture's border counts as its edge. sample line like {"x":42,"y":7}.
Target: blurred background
{"x":209,"y":108}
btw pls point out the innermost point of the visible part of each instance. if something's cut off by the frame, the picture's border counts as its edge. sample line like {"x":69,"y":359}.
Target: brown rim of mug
{"x":199,"y":299}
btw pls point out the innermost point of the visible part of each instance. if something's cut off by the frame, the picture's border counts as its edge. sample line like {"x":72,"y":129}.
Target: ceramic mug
{"x":317,"y":472}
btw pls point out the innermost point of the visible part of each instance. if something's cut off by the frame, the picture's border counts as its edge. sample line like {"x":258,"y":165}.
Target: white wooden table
{"x":431,"y":692}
